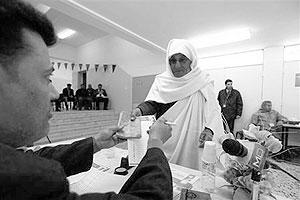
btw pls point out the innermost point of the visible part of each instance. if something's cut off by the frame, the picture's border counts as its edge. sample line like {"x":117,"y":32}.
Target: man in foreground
{"x":25,"y":74}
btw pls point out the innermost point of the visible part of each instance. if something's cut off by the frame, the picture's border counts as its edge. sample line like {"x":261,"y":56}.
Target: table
{"x":104,"y":180}
{"x":285,"y":133}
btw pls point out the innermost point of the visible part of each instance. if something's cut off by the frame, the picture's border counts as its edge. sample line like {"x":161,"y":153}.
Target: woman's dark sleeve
{"x":149,"y":107}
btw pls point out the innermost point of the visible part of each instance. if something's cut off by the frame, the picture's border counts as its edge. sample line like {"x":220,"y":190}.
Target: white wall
{"x":62,"y":53}
{"x":248,"y":81}
{"x":291,"y":94}
{"x":273,"y":76}
{"x":117,"y":85}
{"x":273,"y":80}
{"x":131,"y":61}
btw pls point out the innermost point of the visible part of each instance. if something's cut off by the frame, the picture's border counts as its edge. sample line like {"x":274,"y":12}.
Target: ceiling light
{"x":220,"y":38}
{"x":65,"y":33}
{"x":42,"y":8}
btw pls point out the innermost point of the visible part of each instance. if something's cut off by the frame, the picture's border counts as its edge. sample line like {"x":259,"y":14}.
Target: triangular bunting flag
{"x":58,"y":65}
{"x":113,"y":68}
{"x":87,"y":67}
{"x":96,"y":67}
{"x":80,"y":66}
{"x":66,"y":65}
{"x":105,"y":67}
{"x":72,"y":66}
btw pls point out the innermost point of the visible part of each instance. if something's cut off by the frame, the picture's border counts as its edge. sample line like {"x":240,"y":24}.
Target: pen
{"x":170,"y":123}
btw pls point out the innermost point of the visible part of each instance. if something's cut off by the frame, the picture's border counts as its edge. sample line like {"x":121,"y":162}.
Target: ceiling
{"x":151,"y":24}
{"x":84,"y":32}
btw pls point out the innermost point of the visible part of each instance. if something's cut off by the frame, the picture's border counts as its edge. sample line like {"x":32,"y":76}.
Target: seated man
{"x":68,"y":95}
{"x":90,"y":96}
{"x":81,"y":97}
{"x":25,"y":73}
{"x":101,"y":96}
{"x":268,"y":119}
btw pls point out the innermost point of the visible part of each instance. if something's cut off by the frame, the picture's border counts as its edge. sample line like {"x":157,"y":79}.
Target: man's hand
{"x":107,"y":138}
{"x":159,"y":133}
{"x":135,"y":113}
{"x":279,"y":123}
{"x":237,"y":117}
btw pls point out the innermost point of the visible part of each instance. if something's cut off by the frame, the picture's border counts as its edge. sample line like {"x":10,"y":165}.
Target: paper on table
{"x":99,"y":182}
{"x":137,"y":148}
{"x":182,"y":180}
{"x":131,"y":129}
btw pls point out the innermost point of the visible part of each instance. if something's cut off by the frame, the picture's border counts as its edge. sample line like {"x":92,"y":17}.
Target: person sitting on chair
{"x":90,"y":96}
{"x":81,"y":96}
{"x":68,"y":95}
{"x":268,"y":119}
{"x":101,"y":96}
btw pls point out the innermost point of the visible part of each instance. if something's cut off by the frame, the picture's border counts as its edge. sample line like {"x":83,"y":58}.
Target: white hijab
{"x":195,"y":109}
{"x":166,"y":87}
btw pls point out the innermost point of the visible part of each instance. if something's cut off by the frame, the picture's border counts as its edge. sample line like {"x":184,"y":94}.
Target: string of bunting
{"x":106,"y":67}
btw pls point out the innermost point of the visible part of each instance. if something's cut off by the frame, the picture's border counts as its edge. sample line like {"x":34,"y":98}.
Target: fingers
{"x":161,"y":119}
{"x":116,"y":129}
{"x":117,"y":140}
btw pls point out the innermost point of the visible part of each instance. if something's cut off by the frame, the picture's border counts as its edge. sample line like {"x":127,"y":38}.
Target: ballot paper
{"x":131,"y":129}
{"x":95,"y":181}
{"x":182,"y":180}
{"x":137,"y":147}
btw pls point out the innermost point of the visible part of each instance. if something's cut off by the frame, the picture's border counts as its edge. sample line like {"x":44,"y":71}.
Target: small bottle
{"x":208,"y":167}
{"x":255,"y":177}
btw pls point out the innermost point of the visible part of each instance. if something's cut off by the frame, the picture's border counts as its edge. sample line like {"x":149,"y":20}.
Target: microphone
{"x":234,"y":148}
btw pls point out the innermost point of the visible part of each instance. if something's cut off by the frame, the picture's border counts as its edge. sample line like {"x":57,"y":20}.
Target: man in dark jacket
{"x":68,"y":95}
{"x":25,"y":73}
{"x":101,"y":96}
{"x":231,"y":104}
{"x":81,"y":97}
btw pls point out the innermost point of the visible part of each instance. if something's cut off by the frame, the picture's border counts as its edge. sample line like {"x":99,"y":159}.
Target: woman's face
{"x":180,"y":65}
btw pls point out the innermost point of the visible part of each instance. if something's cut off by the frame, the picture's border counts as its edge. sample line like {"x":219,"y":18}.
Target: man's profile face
{"x":99,"y":87}
{"x":25,"y":102}
{"x":268,"y":107}
{"x":228,"y":85}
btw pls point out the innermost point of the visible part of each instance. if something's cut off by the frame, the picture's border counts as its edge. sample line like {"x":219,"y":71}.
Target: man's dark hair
{"x":99,"y":84}
{"x":15,"y":16}
{"x":228,"y":81}
{"x":69,"y":84}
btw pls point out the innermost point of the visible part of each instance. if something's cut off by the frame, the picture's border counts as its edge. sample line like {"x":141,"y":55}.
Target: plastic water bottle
{"x":208,"y":167}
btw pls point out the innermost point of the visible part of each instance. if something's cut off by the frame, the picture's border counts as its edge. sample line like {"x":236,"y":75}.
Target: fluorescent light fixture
{"x":220,"y":38}
{"x":65,"y":33}
{"x":42,"y":8}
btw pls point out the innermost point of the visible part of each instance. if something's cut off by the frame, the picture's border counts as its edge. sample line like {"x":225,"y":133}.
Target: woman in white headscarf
{"x":184,"y":94}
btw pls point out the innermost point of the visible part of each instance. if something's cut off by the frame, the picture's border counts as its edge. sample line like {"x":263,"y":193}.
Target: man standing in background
{"x":231,"y":104}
